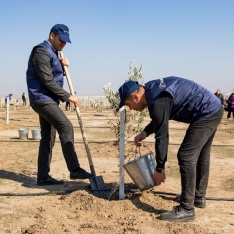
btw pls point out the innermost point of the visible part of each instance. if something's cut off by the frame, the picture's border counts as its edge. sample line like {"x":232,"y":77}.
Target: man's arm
{"x":160,"y":113}
{"x":149,"y":129}
{"x":41,"y":61}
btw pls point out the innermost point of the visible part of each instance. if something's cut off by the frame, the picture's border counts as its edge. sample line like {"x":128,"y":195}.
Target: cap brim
{"x":64,"y":37}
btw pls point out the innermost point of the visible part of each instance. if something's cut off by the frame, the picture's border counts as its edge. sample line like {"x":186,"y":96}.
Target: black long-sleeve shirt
{"x":159,"y":112}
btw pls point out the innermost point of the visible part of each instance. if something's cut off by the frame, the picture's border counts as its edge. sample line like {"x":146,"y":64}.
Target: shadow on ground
{"x":31,"y":183}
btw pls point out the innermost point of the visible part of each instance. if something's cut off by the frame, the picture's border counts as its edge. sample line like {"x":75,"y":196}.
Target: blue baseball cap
{"x":62,"y":31}
{"x":126,"y":89}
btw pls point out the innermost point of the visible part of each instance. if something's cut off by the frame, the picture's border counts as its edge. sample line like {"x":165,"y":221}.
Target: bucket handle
{"x":137,"y":151}
{"x":135,"y":154}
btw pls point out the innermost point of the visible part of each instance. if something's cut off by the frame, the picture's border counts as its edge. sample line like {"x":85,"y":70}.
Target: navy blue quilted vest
{"x":192,"y":102}
{"x":36,"y":90}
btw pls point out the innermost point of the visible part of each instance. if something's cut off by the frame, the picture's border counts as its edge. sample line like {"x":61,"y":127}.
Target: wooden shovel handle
{"x":79,"y":117}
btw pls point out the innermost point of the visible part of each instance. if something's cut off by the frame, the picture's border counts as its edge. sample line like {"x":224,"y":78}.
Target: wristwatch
{"x":160,"y":170}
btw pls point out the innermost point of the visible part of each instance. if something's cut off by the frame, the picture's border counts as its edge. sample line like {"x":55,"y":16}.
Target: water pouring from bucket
{"x":141,"y":170}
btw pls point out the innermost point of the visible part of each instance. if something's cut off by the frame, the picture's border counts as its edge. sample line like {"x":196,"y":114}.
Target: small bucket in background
{"x":141,"y":170}
{"x":23,"y":133}
{"x":36,"y":134}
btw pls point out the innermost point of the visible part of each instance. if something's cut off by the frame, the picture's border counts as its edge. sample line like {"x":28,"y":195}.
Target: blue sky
{"x":190,"y":39}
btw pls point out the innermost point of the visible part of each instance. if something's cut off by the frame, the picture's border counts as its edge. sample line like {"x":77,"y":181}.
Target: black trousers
{"x":53,"y":119}
{"x":194,"y":158}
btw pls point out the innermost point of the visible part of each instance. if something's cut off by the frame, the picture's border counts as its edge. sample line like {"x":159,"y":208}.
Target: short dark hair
{"x":53,"y":33}
{"x":129,"y":97}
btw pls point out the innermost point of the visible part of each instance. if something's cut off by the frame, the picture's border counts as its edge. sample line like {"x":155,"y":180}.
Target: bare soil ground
{"x":72,"y":208}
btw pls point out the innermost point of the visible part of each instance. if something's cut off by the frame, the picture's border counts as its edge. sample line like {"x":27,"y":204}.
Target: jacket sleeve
{"x":160,"y":111}
{"x":41,"y":61}
{"x":149,"y":129}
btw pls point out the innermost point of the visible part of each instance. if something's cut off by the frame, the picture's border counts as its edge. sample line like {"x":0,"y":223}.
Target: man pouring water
{"x":179,"y":99}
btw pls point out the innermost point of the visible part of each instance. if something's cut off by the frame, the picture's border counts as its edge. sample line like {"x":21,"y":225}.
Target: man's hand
{"x":139,"y":138}
{"x":159,"y":177}
{"x":64,"y":62}
{"x":74,"y":99}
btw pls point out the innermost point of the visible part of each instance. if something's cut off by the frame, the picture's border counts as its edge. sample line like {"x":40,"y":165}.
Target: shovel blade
{"x":98,"y":186}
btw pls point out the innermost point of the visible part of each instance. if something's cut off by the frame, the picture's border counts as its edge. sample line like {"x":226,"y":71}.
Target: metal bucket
{"x":36,"y":134}
{"x":141,"y":170}
{"x":23,"y":133}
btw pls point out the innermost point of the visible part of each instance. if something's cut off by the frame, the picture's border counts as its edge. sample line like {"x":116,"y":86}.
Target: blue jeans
{"x":53,"y":119}
{"x":194,"y":158}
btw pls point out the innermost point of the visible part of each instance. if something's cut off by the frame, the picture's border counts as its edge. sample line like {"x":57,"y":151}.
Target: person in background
{"x":45,"y":88}
{"x":24,"y":99}
{"x":179,"y":99}
{"x":68,"y":105}
{"x":219,"y":95}
{"x":230,"y":102}
{"x":9,"y":96}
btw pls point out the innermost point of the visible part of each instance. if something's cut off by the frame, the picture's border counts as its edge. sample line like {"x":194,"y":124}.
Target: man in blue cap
{"x":175,"y":98}
{"x":45,"y":88}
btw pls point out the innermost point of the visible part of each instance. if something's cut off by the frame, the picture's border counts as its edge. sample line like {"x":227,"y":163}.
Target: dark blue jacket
{"x":192,"y":102}
{"x":36,"y":90}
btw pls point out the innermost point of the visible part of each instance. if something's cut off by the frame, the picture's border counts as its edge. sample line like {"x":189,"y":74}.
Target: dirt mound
{"x":102,"y":216}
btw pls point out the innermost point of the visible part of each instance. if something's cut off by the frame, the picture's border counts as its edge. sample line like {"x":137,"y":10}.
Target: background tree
{"x":134,"y":119}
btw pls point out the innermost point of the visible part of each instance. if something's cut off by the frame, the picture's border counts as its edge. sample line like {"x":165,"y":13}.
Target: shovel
{"x":96,"y":182}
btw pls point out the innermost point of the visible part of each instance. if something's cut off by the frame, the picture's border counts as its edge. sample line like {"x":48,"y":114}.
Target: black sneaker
{"x":199,"y":202}
{"x":49,"y":181}
{"x":178,"y":214}
{"x":80,"y":174}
